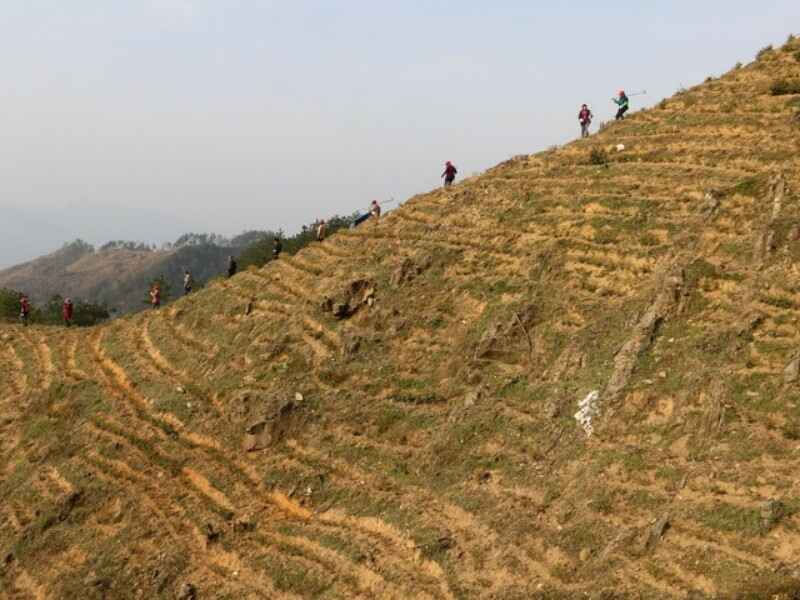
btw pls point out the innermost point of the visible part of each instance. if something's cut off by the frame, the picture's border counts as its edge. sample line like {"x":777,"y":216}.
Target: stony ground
{"x":389,"y":414}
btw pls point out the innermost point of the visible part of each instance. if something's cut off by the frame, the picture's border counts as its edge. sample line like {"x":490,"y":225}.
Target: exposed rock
{"x":657,"y":532}
{"x":345,"y":302}
{"x":211,"y":533}
{"x":551,"y":409}
{"x":588,"y":409}
{"x":515,"y":325}
{"x":187,"y":592}
{"x":409,"y":269}
{"x":352,"y":344}
{"x":644,"y":331}
{"x":271,"y":429}
{"x":471,"y":398}
{"x":771,"y":513}
{"x":792,"y":371}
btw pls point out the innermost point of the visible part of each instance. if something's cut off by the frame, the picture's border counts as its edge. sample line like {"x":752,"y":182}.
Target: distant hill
{"x":119,"y":273}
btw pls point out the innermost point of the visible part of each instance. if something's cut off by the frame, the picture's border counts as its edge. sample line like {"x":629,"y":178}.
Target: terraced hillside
{"x":389,"y":414}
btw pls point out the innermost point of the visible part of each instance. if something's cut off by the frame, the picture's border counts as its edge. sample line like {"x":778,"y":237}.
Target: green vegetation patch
{"x":783,"y":87}
{"x":732,"y":519}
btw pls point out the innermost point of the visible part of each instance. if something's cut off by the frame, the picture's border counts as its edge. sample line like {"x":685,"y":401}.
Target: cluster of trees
{"x":127,"y":245}
{"x":84,"y":313}
{"x":259,"y":252}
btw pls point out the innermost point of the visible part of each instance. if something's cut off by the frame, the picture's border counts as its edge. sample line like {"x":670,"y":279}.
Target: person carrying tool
{"x":67,"y":311}
{"x":449,"y":173}
{"x":622,"y":102}
{"x":231,"y":266}
{"x":188,"y":282}
{"x":375,"y":211}
{"x":585,"y":119}
{"x":24,"y":309}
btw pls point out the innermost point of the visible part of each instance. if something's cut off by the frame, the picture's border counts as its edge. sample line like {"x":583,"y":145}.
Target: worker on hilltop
{"x":375,"y":211}
{"x":585,"y":119}
{"x":188,"y":282}
{"x":232,"y":266}
{"x":622,"y":103}
{"x":67,"y":311}
{"x":277,"y":247}
{"x":155,"y":296}
{"x":24,"y":309}
{"x":449,"y":174}
{"x":322,"y":228}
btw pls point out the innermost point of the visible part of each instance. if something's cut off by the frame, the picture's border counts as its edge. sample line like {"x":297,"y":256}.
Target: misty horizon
{"x":146,"y":121}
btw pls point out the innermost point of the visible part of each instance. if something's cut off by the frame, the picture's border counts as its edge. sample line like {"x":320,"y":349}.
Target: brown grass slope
{"x":432,"y":450}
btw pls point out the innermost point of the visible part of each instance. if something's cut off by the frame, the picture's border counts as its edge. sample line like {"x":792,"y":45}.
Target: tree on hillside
{"x":260,"y":252}
{"x":9,"y":304}
{"x":84,"y":314}
{"x":246,"y":238}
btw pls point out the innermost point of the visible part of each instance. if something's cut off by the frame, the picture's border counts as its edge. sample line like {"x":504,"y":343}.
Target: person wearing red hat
{"x":585,"y":119}
{"x":67,"y":311}
{"x":449,"y":173}
{"x":622,"y":102}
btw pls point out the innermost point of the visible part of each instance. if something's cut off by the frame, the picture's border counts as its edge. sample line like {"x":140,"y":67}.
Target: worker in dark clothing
{"x":67,"y":312}
{"x":232,"y":266}
{"x":585,"y":119}
{"x":188,"y":282}
{"x":449,"y":173}
{"x":622,"y":103}
{"x":24,"y":309}
{"x":277,"y":248}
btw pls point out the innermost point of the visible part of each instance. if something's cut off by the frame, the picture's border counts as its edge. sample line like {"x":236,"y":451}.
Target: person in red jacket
{"x":449,"y":173}
{"x":24,"y":309}
{"x":66,"y":312}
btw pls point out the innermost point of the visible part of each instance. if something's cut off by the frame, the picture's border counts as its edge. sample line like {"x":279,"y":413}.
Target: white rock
{"x":588,"y":409}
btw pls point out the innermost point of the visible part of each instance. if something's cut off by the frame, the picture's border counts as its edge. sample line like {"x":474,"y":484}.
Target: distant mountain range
{"x":119,"y":273}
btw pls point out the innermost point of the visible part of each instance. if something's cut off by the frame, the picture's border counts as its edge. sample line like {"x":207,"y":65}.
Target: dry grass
{"x":431,"y":451}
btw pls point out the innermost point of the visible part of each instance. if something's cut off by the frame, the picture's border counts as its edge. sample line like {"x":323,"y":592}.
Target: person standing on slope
{"x":24,"y":309}
{"x":188,"y":282}
{"x":622,"y":102}
{"x":585,"y":119}
{"x":277,"y":248}
{"x":449,"y":173}
{"x":155,"y":296}
{"x":67,"y":311}
{"x":231,"y":266}
{"x":375,"y":211}
{"x":321,"y":230}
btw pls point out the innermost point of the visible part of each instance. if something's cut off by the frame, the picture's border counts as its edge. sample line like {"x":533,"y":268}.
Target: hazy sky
{"x":144,"y":119}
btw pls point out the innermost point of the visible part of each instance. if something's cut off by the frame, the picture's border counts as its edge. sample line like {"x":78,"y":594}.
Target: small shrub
{"x":663,"y":104}
{"x":737,"y":66}
{"x":797,"y":56}
{"x":709,"y":79}
{"x":782,"y":87}
{"x":598,"y":156}
{"x":764,"y":51}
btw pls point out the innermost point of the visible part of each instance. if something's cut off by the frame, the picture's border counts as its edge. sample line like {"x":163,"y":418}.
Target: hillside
{"x":390,"y":413}
{"x":118,"y":277}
